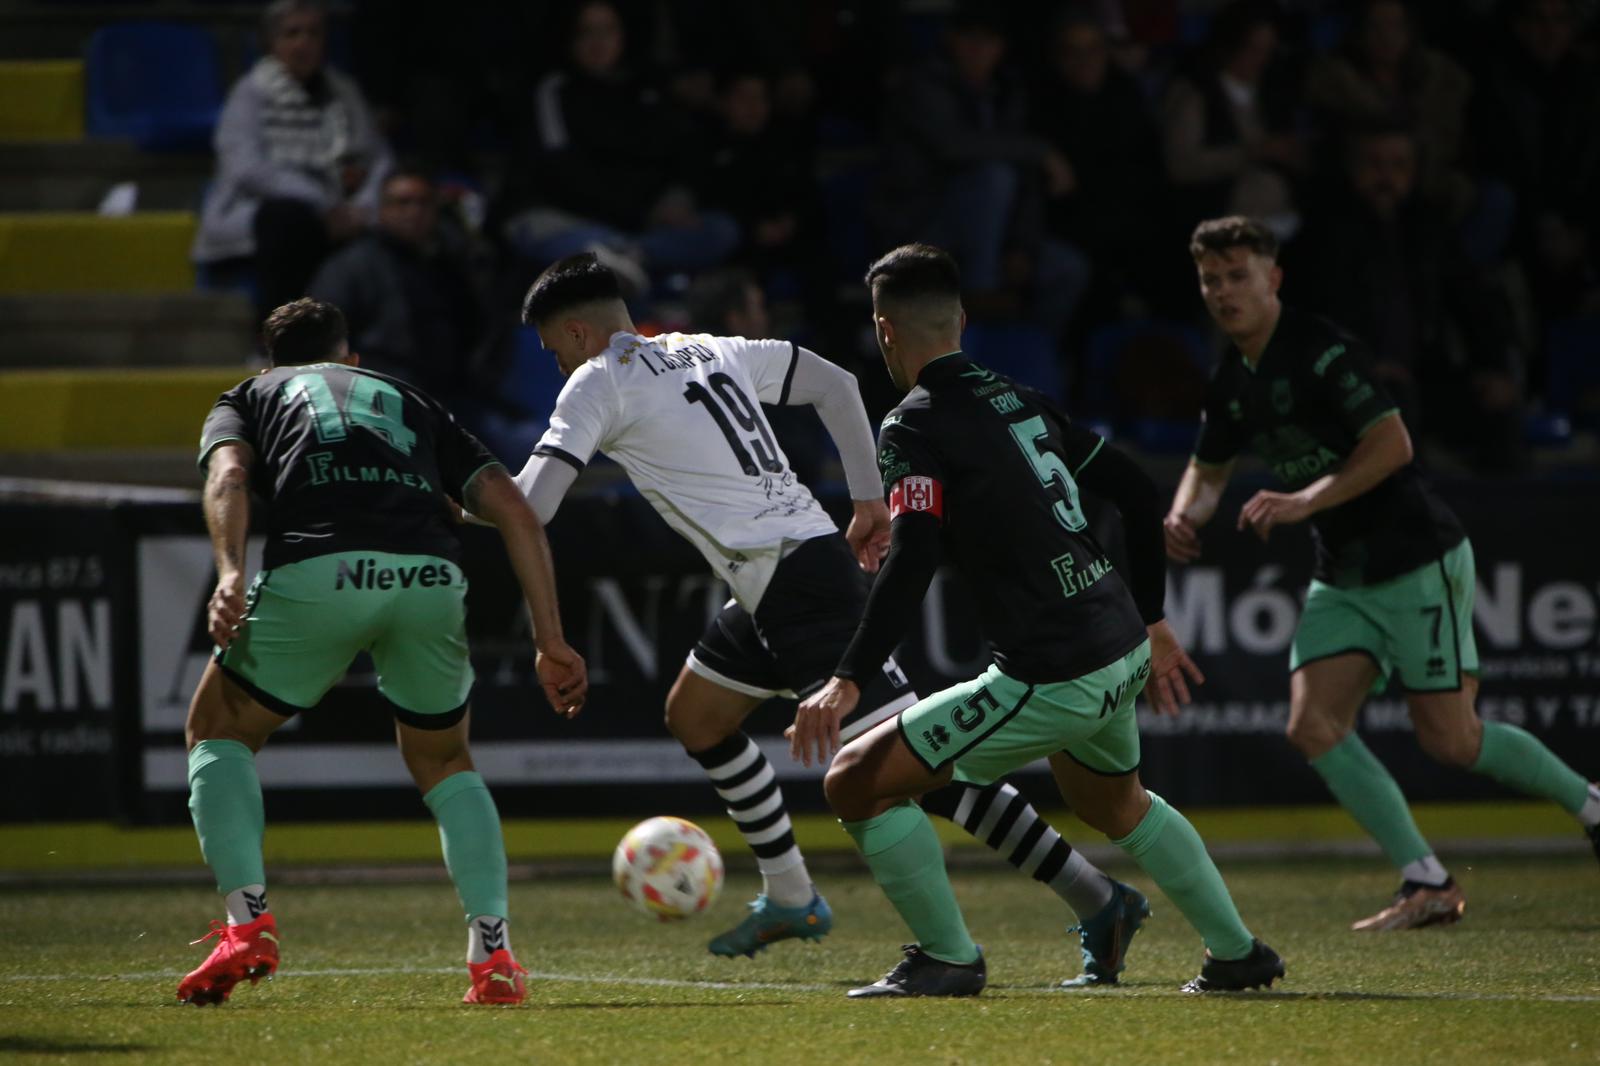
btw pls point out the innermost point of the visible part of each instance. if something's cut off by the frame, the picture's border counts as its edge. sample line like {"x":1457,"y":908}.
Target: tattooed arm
{"x":227,"y":508}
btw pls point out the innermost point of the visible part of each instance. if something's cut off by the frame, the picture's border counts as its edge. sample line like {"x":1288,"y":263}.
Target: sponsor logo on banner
{"x":176,"y":576}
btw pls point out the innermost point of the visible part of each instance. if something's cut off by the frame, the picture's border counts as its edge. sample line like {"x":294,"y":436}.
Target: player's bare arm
{"x":227,"y":510}
{"x":1383,"y":449}
{"x":914,"y":552}
{"x":561,"y":670}
{"x":1193,"y":505}
{"x":1112,"y":474}
{"x":868,"y":533}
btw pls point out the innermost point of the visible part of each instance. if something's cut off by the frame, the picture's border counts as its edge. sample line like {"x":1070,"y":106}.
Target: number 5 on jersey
{"x":1033,"y":438}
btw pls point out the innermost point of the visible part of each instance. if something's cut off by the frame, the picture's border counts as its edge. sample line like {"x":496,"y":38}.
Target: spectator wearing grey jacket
{"x":299,"y":161}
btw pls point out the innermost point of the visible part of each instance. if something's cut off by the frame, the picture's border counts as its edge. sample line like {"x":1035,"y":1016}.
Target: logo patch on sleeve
{"x":916,"y":493}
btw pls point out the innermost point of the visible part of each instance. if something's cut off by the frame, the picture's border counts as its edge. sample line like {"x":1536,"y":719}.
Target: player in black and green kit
{"x":1394,"y":580}
{"x":358,"y":471}
{"x":986,"y":472}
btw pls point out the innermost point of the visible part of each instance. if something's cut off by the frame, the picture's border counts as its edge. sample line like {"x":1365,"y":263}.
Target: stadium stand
{"x":107,"y":349}
{"x":155,"y":83}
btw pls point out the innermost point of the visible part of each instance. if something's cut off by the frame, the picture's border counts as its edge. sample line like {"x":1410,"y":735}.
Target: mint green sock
{"x":474,"y":850}
{"x":1369,"y":794}
{"x":1166,"y":846}
{"x":905,"y":857}
{"x":1518,"y":759}
{"x":225,"y":803}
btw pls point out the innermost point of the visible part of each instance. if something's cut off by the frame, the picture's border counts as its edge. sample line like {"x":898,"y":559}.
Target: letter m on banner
{"x":917,"y":493}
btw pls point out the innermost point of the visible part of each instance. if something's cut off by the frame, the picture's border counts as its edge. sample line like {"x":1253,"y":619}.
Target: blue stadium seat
{"x":845,"y":196}
{"x":533,"y":381}
{"x":1108,"y":343}
{"x":155,"y":83}
{"x":1017,"y":350}
{"x":1572,"y":349}
{"x":1547,"y":430}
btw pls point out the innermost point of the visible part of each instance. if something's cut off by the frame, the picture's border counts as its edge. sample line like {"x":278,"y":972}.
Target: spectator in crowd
{"x":729,"y":303}
{"x":1098,"y":119}
{"x":1383,"y":73}
{"x":613,"y":165}
{"x":414,"y":301}
{"x":299,"y":161}
{"x":408,"y":291}
{"x":1385,"y":261}
{"x":764,"y":180}
{"x":1228,"y":124}
{"x":964,"y":171}
{"x":1538,"y":128}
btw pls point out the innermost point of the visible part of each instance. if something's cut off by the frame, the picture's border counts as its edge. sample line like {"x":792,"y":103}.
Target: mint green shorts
{"x":304,"y":622}
{"x":994,"y":724}
{"x":1418,"y":625}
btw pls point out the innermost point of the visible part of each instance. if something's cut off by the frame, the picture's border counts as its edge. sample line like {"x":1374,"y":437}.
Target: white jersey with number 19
{"x":681,"y":413}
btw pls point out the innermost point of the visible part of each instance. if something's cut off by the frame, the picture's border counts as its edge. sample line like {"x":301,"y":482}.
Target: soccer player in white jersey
{"x":682,"y":415}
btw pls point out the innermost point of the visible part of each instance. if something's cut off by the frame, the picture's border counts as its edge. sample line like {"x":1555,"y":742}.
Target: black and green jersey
{"x":1302,"y":408}
{"x":997,"y":464}
{"x":347,"y":460}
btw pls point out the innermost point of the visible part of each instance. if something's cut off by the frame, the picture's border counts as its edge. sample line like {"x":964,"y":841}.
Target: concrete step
{"x":60,"y":251}
{"x":60,"y":330}
{"x":41,"y":99}
{"x":49,"y":410}
{"x":75,"y":176}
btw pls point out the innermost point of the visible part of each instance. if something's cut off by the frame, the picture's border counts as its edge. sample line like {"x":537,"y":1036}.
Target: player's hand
{"x":225,"y":611}
{"x":1269,"y":509}
{"x":816,"y":723}
{"x":1167,"y":690}
{"x":1183,"y":540}
{"x":564,"y":676}
{"x":868,"y":534}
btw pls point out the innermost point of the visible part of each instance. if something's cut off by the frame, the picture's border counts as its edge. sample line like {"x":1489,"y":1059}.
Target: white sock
{"x":1425,"y":871}
{"x":1085,"y":888}
{"x":790,"y":887}
{"x":246,"y":904}
{"x":1589,"y":813}
{"x":486,"y":934}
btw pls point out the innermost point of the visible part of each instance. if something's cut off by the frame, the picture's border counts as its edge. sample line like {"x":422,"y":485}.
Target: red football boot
{"x":496,"y":980}
{"x":246,"y":951}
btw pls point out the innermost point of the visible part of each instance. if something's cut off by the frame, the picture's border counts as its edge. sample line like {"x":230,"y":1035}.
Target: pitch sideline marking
{"x":731,"y":986}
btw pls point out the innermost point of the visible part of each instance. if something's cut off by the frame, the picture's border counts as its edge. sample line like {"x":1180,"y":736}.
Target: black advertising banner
{"x":634,"y":599}
{"x":64,"y":662}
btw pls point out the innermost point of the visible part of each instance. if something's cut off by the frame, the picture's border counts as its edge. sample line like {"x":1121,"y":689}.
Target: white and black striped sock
{"x":1002,"y":818}
{"x":745,"y":781}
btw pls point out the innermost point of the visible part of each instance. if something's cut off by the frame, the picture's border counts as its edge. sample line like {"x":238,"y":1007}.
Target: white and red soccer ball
{"x":668,"y":868}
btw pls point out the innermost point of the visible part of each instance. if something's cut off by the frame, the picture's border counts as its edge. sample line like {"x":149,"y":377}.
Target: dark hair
{"x":303,"y":331}
{"x":272,"y":18}
{"x":407,"y":172}
{"x":974,"y":17}
{"x":1232,"y":231}
{"x":1232,"y":25}
{"x":914,"y":272}
{"x":1391,"y":125}
{"x":567,"y":283}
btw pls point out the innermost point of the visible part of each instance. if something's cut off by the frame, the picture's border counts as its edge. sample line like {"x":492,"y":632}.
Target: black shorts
{"x":791,"y":645}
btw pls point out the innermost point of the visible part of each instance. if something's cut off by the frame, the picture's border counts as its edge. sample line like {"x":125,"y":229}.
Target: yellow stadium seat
{"x":68,"y":251}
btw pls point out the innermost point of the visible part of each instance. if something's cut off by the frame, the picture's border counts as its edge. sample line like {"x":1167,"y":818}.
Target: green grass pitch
{"x":374,"y":973}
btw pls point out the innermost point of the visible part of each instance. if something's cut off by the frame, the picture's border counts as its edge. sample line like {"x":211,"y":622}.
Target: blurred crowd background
{"x":1432,"y":167}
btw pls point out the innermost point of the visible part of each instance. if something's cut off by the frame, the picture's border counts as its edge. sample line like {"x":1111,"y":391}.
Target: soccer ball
{"x":668,"y":868}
